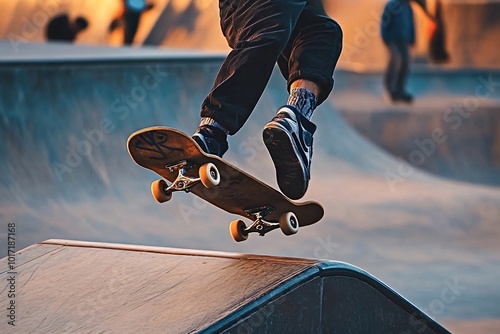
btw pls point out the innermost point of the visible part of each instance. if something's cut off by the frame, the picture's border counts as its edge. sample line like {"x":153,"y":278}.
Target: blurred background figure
{"x":133,"y":10}
{"x":60,"y":28}
{"x":437,"y":40}
{"x":398,"y":34}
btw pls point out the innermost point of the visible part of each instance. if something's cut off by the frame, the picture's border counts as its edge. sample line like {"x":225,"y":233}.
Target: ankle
{"x":303,"y":100}
{"x":208,"y":121}
{"x":213,"y":132}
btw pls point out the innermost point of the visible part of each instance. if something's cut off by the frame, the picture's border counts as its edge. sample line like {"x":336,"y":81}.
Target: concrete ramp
{"x":69,"y":286}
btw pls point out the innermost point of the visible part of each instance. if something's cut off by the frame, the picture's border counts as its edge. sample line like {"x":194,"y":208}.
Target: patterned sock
{"x":303,"y":100}
{"x":213,"y":123}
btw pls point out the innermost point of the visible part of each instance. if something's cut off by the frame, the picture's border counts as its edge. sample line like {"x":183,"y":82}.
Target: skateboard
{"x":184,"y":166}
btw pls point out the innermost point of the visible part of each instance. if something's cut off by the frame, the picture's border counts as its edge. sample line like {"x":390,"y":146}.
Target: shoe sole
{"x":286,"y":158}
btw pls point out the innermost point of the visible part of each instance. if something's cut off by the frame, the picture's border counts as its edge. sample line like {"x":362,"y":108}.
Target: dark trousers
{"x":131,"y":24}
{"x":397,"y":70}
{"x":296,"y":34}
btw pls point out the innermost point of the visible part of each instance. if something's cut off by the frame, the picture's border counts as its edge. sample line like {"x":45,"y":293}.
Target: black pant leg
{"x":262,"y":32}
{"x":131,"y":25}
{"x":398,"y":68}
{"x":257,"y":31}
{"x":403,"y":69}
{"x":313,"y":50}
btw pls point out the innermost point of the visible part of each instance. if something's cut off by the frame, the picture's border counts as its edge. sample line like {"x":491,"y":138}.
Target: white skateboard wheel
{"x":209,"y":175}
{"x":289,"y":224}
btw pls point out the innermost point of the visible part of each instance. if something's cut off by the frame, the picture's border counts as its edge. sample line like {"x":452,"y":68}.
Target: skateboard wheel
{"x":289,"y":224}
{"x":209,"y":175}
{"x":158,"y":190}
{"x":237,"y":230}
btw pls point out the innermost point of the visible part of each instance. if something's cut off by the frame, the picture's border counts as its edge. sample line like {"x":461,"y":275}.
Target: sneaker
{"x":406,"y":97}
{"x":211,"y":140}
{"x":393,"y":96}
{"x":400,"y":97}
{"x":289,"y":139}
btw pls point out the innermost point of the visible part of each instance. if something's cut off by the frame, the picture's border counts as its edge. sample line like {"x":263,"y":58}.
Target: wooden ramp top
{"x":69,"y":286}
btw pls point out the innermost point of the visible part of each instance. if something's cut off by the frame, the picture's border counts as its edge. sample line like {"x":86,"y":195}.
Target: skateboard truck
{"x":260,"y":225}
{"x":209,"y":176}
{"x":182,"y":182}
{"x":288,"y":223}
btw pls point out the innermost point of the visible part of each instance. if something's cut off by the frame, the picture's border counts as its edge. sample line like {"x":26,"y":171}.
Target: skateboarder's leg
{"x":257,"y":31}
{"x":307,"y":62}
{"x":312,"y":52}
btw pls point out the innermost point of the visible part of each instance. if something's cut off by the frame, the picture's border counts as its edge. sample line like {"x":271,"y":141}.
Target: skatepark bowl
{"x":427,"y":228}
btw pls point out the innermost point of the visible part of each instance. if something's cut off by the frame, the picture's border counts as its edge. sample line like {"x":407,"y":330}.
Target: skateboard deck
{"x":176,"y":157}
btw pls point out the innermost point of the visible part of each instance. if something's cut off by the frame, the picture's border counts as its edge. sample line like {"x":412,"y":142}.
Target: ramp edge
{"x":176,"y":251}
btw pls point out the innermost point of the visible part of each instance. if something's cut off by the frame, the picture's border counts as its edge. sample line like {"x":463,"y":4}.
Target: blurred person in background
{"x":437,"y":37}
{"x":60,"y":28}
{"x":398,"y":34}
{"x":133,"y":10}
